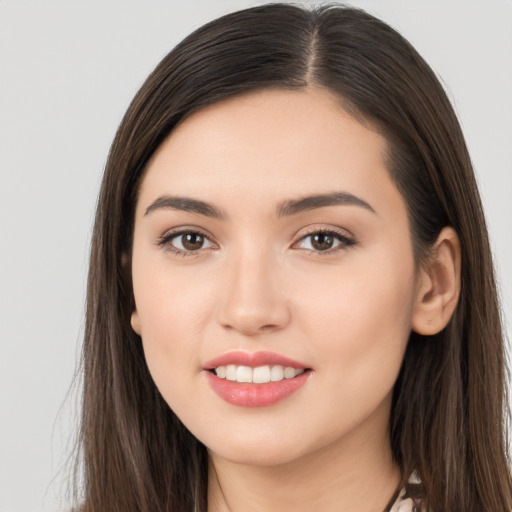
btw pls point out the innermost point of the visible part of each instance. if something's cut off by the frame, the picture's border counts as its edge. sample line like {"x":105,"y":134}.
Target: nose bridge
{"x":253,"y":301}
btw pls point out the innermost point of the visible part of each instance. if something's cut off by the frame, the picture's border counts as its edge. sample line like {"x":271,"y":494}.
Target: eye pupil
{"x":192,"y":241}
{"x":322,"y":241}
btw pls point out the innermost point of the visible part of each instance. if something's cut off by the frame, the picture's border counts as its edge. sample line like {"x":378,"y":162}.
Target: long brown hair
{"x":447,"y":418}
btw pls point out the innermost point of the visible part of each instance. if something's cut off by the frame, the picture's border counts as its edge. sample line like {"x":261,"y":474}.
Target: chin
{"x":270,"y":448}
{"x":256,"y":455}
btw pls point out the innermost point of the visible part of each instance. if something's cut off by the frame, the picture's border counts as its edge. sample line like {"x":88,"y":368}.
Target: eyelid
{"x":324,"y":228}
{"x":346,"y":238}
{"x":164,"y":240}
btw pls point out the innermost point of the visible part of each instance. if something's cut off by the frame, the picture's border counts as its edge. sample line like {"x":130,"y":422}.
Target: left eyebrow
{"x":294,"y":206}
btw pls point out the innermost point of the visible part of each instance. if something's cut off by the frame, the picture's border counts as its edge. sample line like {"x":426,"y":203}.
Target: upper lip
{"x":253,"y":359}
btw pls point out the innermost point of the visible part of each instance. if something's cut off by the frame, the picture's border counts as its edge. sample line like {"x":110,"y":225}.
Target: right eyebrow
{"x":185,"y":204}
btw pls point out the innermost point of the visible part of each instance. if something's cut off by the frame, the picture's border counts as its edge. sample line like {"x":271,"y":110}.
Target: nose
{"x":253,"y":300}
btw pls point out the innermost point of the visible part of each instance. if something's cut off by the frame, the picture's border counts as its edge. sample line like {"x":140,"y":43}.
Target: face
{"x":273,"y":277}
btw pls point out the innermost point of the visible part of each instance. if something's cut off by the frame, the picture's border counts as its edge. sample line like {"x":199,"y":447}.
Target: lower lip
{"x":255,"y":395}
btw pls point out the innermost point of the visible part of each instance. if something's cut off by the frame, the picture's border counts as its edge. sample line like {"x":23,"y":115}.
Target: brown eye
{"x":322,"y":241}
{"x":192,"y":241}
{"x":185,"y":243}
{"x":327,"y":242}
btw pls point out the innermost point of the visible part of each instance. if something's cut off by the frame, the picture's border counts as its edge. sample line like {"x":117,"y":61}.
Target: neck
{"x":357,"y":474}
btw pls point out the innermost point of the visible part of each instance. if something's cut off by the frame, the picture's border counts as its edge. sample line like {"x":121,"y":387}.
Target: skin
{"x":258,"y":283}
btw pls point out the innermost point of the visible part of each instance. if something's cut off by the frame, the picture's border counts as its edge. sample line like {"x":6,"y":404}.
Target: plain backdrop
{"x":68,"y":70}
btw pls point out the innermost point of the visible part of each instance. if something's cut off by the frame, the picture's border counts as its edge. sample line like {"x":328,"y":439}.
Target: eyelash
{"x":165,"y":241}
{"x":345,"y":241}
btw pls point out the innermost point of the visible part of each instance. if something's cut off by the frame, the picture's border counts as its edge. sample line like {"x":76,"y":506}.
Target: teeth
{"x":244,"y":374}
{"x":231,"y":372}
{"x":276,"y":373}
{"x":289,"y":373}
{"x":259,"y":375}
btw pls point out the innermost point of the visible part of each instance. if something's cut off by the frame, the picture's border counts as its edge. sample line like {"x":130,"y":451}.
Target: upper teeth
{"x":258,"y":375}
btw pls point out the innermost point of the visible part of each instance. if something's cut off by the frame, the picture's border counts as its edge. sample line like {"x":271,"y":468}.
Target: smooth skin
{"x":335,"y":287}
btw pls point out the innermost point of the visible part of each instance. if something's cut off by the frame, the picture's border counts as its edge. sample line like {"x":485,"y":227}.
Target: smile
{"x":259,"y":375}
{"x":243,"y":379}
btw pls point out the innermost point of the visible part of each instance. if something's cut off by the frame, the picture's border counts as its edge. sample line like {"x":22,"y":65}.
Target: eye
{"x":324,"y":241}
{"x":185,"y":243}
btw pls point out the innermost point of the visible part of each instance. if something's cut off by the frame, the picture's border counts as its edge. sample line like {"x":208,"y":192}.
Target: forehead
{"x":268,"y":145}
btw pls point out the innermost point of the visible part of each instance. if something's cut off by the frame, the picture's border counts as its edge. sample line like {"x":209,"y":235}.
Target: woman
{"x":291,"y":300}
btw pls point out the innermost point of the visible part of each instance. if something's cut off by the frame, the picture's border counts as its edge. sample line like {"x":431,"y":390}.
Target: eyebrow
{"x":295,"y":206}
{"x":185,"y":204}
{"x":286,"y":208}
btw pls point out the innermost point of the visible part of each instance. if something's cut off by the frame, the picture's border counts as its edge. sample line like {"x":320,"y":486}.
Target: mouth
{"x":258,"y":375}
{"x":256,"y":379}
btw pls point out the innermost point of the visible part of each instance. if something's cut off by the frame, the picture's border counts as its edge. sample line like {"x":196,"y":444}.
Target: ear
{"x":135,"y":322}
{"x":127,"y":270}
{"x":438,"y":285}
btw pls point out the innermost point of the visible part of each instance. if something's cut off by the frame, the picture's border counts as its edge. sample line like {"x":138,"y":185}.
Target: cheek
{"x":360,"y":322}
{"x":171,"y":309}
{"x":170,"y":300}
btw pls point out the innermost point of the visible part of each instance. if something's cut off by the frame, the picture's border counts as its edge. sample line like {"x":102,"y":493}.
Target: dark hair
{"x":447,"y":418}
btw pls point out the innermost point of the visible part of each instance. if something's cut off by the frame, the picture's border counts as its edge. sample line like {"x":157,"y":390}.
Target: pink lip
{"x":253,"y":359}
{"x":254,"y":395}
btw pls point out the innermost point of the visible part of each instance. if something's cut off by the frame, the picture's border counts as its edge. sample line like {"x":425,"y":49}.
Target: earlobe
{"x":126,"y":266}
{"x":135,"y":322}
{"x":438,"y":285}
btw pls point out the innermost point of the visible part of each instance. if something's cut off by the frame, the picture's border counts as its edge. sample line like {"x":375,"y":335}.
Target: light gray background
{"x":68,"y":70}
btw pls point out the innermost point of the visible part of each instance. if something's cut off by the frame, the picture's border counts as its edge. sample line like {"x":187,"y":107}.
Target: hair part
{"x":447,"y":419}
